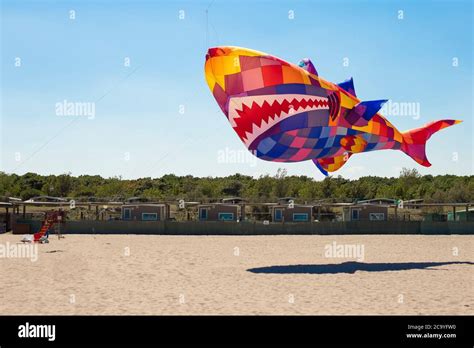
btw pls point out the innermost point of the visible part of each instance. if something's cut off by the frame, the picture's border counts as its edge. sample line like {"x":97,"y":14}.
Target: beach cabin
{"x":466,"y":214}
{"x":144,"y":212}
{"x":435,"y":217}
{"x":287,"y":211}
{"x":219,"y":212}
{"x":365,"y":212}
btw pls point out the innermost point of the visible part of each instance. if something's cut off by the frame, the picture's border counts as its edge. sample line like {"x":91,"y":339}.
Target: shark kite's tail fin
{"x":414,"y":141}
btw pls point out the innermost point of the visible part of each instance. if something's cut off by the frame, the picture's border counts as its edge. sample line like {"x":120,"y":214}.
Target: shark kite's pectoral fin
{"x":348,"y":86}
{"x":362,"y":113}
{"x":350,"y":143}
{"x":307,"y":65}
{"x":353,"y":143}
{"x":331,"y":164}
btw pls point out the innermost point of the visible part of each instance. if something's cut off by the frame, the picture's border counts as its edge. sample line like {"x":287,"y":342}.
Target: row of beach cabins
{"x":227,"y":209}
{"x":236,"y":209}
{"x":285,"y":210}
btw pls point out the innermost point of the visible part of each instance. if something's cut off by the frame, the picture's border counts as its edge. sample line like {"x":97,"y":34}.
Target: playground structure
{"x":52,"y":219}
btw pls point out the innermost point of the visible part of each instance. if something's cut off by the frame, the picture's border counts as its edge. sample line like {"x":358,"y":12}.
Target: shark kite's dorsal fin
{"x":363,"y":112}
{"x":348,"y":86}
{"x":307,"y":65}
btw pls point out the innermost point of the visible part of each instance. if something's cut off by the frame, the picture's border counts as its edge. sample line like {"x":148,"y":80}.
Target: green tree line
{"x":266,"y":188}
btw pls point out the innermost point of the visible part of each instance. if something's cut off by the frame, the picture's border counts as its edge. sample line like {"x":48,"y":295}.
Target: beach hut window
{"x":300,"y":217}
{"x":355,"y":214}
{"x":376,"y":216}
{"x":127,"y":213}
{"x":202,"y":214}
{"x":278,"y":214}
{"x":226,"y":216}
{"x":149,"y":216}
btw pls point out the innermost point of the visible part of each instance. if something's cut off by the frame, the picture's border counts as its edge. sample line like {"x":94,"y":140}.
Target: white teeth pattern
{"x":236,"y":103}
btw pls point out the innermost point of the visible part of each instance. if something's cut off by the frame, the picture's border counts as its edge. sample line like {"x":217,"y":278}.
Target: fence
{"x":257,"y":228}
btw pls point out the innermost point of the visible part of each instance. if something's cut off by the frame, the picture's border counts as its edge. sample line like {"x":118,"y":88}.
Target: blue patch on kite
{"x":351,"y":131}
{"x":370,"y":146}
{"x":330,"y":142}
{"x":266,"y":145}
{"x":324,"y":152}
{"x":315,"y":132}
{"x":277,"y":151}
{"x":294,"y":122}
{"x":325,"y":132}
{"x":292,"y":88}
{"x":320,"y":144}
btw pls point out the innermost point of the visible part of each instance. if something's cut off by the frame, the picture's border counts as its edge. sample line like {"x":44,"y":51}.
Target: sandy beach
{"x":138,"y":274}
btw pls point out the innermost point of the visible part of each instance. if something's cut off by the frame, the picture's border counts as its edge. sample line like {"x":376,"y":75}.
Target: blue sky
{"x":138,"y":129}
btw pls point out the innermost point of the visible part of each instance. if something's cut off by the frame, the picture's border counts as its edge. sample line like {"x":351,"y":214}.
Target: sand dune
{"x":133,"y":274}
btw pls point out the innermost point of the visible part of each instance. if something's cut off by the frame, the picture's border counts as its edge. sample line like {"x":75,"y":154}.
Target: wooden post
{"x":58,"y":231}
{"x":7,"y":220}
{"x":396,"y":212}
{"x":467,"y":213}
{"x":454,"y":213}
{"x":319,"y":212}
{"x":97,"y":212}
{"x":24,"y":211}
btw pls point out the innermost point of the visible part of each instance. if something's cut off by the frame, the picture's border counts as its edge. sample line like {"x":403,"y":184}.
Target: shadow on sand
{"x":352,"y":267}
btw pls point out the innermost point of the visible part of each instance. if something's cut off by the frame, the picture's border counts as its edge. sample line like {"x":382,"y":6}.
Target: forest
{"x":266,"y":188}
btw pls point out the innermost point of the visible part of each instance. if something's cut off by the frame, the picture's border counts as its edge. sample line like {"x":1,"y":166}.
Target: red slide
{"x":50,"y":220}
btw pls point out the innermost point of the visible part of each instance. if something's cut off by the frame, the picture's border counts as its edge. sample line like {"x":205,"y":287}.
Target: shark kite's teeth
{"x":251,"y":116}
{"x":234,"y":105}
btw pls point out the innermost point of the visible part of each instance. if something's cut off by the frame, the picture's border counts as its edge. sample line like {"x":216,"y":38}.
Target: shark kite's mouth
{"x":251,"y":116}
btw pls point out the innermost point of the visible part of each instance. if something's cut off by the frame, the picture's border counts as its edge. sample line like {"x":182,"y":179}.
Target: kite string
{"x":73,"y":121}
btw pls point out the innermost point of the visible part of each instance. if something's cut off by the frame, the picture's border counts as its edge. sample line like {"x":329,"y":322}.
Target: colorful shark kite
{"x":286,"y":113}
